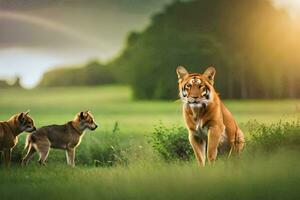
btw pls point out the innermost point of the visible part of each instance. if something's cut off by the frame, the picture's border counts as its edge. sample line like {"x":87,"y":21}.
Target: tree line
{"x":93,"y":73}
{"x":253,"y":45}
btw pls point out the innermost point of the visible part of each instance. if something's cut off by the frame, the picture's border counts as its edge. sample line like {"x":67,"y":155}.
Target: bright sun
{"x":292,"y":6}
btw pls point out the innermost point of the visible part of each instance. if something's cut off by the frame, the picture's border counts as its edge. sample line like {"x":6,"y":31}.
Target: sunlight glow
{"x":30,"y":65}
{"x":291,"y":6}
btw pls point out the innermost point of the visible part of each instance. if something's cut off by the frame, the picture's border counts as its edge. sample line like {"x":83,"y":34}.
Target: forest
{"x":252,"y":44}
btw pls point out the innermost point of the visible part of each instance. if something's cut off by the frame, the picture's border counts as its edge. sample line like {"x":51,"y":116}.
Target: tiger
{"x":211,"y":127}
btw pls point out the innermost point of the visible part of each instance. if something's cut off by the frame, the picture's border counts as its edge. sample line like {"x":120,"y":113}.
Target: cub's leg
{"x":198,"y":147}
{"x":71,"y":157}
{"x":29,"y":155}
{"x":43,"y":147}
{"x":7,"y":157}
{"x":214,"y":136}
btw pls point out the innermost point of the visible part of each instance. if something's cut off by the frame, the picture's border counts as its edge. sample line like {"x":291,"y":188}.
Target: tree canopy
{"x":250,"y":43}
{"x":253,"y":46}
{"x":93,"y":73}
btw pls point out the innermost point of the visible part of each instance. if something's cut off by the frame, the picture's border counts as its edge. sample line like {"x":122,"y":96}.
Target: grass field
{"x":275,"y":176}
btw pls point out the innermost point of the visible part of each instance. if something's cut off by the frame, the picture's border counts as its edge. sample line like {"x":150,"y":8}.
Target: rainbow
{"x":54,"y":26}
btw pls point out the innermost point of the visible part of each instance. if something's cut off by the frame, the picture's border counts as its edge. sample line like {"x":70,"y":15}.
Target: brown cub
{"x":66,"y":137}
{"x":9,"y":131}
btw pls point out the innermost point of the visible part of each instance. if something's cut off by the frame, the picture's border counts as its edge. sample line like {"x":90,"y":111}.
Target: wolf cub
{"x":66,"y":137}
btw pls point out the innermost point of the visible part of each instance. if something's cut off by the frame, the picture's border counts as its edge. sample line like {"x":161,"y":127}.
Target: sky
{"x":36,"y":35}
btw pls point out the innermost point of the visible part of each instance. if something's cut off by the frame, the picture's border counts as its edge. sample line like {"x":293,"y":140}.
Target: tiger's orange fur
{"x":203,"y":108}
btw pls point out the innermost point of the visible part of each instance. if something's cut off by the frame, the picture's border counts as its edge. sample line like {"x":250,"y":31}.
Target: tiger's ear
{"x":210,"y":73}
{"x":181,"y":72}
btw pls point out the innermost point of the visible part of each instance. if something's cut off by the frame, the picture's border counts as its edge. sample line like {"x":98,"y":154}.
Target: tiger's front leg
{"x":214,"y":136}
{"x":199,"y":146}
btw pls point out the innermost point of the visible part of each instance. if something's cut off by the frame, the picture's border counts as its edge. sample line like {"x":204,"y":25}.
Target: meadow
{"x":261,"y":175}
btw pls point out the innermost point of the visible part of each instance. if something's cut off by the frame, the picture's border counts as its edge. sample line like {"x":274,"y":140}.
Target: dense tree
{"x":249,"y":42}
{"x":91,"y":74}
{"x":14,"y":84}
{"x":253,"y":45}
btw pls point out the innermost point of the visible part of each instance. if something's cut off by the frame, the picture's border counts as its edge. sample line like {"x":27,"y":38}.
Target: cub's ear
{"x":210,"y":73}
{"x":81,"y":115}
{"x":27,"y":112}
{"x":21,"y":117}
{"x":181,"y":72}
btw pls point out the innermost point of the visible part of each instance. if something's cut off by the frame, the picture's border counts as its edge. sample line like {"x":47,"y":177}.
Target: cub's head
{"x":196,"y":90}
{"x":25,"y":122}
{"x":86,"y":120}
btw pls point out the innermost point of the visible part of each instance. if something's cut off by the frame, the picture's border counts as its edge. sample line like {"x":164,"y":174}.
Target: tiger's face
{"x":195,"y":89}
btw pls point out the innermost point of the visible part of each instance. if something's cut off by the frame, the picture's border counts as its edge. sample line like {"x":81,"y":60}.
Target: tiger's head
{"x":196,"y":90}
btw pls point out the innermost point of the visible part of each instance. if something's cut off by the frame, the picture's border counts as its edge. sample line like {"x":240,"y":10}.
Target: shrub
{"x":171,"y":143}
{"x":274,"y":136}
{"x":106,"y":151}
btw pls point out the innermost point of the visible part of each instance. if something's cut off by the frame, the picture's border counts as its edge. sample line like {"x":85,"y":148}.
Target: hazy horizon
{"x":38,"y":35}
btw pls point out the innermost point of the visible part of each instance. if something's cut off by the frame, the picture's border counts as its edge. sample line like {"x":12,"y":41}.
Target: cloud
{"x":38,"y":34}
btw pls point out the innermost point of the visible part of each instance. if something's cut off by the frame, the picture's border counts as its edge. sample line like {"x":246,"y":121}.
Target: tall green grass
{"x":276,"y":177}
{"x":117,"y":162}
